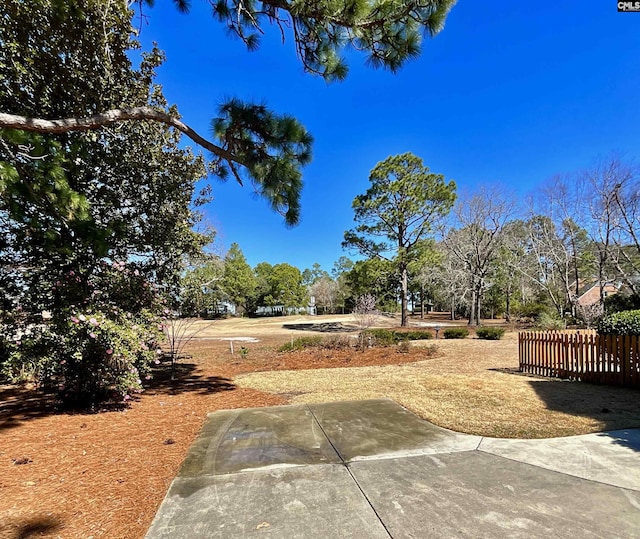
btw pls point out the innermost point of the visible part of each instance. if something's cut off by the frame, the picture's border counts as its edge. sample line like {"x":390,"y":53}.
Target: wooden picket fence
{"x":581,"y":355}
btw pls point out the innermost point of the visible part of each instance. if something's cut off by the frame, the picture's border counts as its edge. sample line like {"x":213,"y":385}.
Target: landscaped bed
{"x":105,"y":474}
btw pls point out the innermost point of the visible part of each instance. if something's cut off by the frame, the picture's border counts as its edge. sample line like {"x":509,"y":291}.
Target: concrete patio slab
{"x":301,"y":502}
{"x":239,"y":440}
{"x":372,"y":469}
{"x":474,"y":494}
{"x":378,"y":428}
{"x":609,"y":457}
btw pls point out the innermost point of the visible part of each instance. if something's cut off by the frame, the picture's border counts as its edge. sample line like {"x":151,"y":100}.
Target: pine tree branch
{"x":109,"y":117}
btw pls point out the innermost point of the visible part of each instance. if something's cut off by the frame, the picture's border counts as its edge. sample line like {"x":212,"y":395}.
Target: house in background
{"x":589,"y":294}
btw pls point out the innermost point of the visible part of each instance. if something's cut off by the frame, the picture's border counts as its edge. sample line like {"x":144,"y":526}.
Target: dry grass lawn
{"x":473,"y":387}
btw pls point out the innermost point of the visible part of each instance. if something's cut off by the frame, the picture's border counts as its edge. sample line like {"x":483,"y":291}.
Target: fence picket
{"x":580,"y":355}
{"x":625,"y":360}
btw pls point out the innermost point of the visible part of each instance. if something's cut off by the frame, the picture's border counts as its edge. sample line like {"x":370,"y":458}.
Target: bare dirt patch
{"x":103,"y":475}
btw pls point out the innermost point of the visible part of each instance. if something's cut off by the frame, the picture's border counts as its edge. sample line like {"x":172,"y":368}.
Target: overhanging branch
{"x":109,"y":117}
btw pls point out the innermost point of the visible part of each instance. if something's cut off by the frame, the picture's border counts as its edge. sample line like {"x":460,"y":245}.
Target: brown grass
{"x":473,"y":387}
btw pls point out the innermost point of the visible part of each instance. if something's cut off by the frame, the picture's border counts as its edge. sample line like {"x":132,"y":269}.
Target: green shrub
{"x":301,"y":343}
{"x":414,"y":335}
{"x":455,"y":333}
{"x":622,"y":323}
{"x":86,"y":357}
{"x":380,"y":337}
{"x":389,"y":337}
{"x":531,"y":310}
{"x":490,"y":334}
{"x":619,"y":302}
{"x":370,"y":337}
{"x":547,"y":321}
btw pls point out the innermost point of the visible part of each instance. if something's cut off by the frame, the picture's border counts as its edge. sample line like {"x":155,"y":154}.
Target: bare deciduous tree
{"x":619,"y":185}
{"x":480,"y":222}
{"x":179,"y":332}
{"x":366,"y":314}
{"x":603,"y":183}
{"x":325,"y":290}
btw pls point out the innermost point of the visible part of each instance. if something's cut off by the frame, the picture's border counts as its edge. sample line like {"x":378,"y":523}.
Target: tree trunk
{"x":472,"y":306}
{"x":422,"y":303}
{"x":403,"y":299}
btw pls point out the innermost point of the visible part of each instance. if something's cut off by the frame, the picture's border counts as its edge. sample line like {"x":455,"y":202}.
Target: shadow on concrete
{"x":323,"y":327}
{"x":625,"y":438}
{"x":185,"y":380}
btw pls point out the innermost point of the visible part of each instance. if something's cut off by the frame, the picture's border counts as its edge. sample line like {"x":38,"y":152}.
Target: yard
{"x":105,"y":474}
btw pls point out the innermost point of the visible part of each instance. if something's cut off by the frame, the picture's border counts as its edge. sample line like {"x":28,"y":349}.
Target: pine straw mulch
{"x":104,"y":474}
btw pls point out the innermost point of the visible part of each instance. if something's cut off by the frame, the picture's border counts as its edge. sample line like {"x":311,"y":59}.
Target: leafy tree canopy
{"x":94,"y":225}
{"x":401,"y":206}
{"x":239,"y":282}
{"x":68,"y":201}
{"x":313,"y":274}
{"x":279,"y":285}
{"x":201,"y":289}
{"x":389,"y":32}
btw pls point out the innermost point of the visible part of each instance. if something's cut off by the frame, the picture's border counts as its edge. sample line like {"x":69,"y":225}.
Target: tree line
{"x":479,"y":254}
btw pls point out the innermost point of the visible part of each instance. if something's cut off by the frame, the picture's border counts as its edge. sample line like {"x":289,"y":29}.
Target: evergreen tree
{"x":401,"y":206}
{"x":93,"y":224}
{"x":238,"y":282}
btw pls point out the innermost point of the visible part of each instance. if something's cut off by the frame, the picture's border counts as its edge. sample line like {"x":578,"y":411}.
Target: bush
{"x":301,"y":343}
{"x":404,"y":347}
{"x":622,"y":323}
{"x":97,"y":342}
{"x":455,"y":333}
{"x":379,"y":337}
{"x":86,"y":357}
{"x":490,"y":334}
{"x":389,"y":337}
{"x":547,"y":321}
{"x":430,"y":350}
{"x":531,"y":310}
{"x":619,"y":302}
{"x":370,"y":337}
{"x":414,"y":335}
{"x":336,"y":342}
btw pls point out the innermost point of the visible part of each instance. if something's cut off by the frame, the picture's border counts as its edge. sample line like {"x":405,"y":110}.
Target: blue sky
{"x":513,"y":95}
